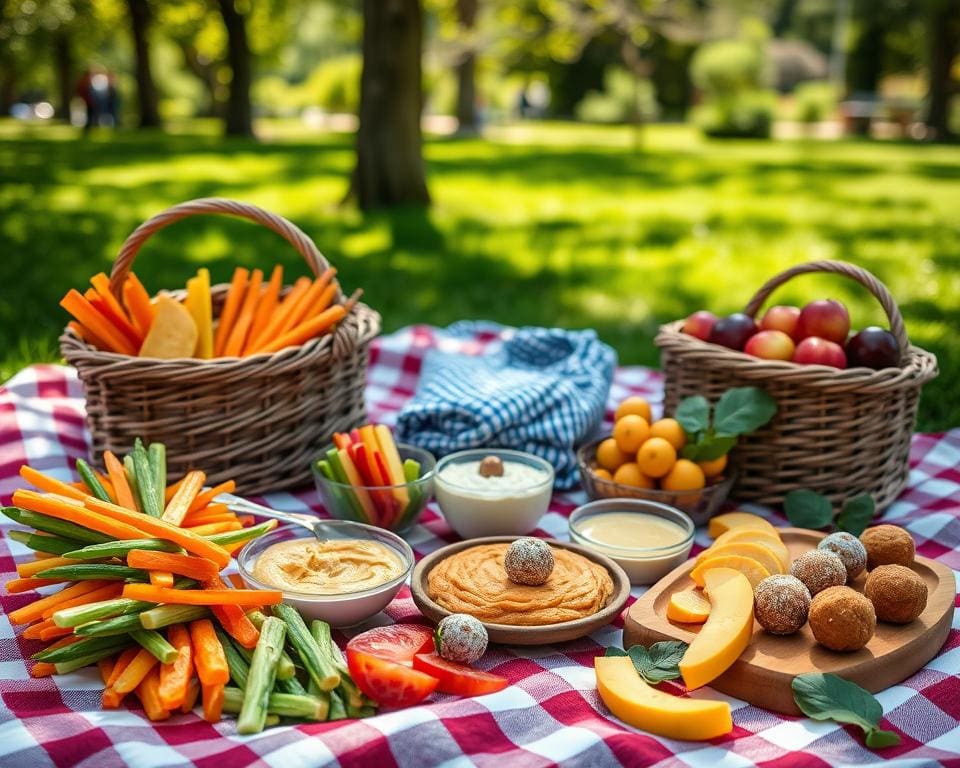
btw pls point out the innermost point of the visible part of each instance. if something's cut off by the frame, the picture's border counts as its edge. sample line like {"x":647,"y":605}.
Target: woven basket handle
{"x":286,"y":229}
{"x":862,"y":276}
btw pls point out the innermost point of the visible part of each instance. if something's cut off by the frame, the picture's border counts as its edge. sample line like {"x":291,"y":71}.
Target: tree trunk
{"x":239,"y":113}
{"x":467,"y":117}
{"x":943,"y":39}
{"x":147,"y":104}
{"x":389,"y":169}
{"x":63,"y":66}
{"x":206,"y":73}
{"x":8,"y":88}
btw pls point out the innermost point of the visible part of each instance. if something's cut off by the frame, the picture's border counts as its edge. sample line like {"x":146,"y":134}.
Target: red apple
{"x":770,"y":345}
{"x":826,"y":318}
{"x":733,"y":330}
{"x":816,"y":351}
{"x":781,"y":318}
{"x":700,"y":324}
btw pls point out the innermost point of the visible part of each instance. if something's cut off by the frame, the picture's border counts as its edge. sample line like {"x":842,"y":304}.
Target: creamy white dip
{"x":518,"y":479}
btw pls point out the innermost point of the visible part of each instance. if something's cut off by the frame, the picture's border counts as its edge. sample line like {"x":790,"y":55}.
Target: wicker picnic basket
{"x":257,"y":419}
{"x":837,"y":432}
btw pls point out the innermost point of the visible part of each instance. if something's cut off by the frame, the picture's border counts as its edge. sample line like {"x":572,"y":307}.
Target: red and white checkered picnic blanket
{"x":550,"y":714}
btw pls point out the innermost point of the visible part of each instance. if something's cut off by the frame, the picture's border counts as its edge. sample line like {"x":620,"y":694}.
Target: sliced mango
{"x":727,"y":631}
{"x":689,"y":606}
{"x":764,"y":537}
{"x":173,"y":332}
{"x":758,"y":552}
{"x":723,"y":523}
{"x":749,"y":567}
{"x":629,"y":698}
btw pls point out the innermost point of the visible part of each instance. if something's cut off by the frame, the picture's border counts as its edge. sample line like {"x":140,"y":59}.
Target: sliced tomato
{"x":389,"y":683}
{"x":398,"y":642}
{"x":458,"y":678}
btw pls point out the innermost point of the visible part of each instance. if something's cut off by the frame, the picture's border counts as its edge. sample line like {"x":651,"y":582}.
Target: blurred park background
{"x":604,"y":163}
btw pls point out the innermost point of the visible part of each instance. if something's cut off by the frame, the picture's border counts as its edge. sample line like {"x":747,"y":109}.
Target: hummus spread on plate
{"x":474,"y":581}
{"x":331,"y":567}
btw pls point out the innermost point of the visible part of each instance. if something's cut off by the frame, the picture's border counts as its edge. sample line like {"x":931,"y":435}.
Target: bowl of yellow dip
{"x":343,"y":580}
{"x":645,"y":538}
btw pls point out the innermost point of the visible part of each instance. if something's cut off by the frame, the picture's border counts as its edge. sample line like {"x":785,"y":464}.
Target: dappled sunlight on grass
{"x":540,"y":224}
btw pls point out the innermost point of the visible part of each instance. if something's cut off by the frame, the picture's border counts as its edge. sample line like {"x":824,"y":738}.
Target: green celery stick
{"x":118,"y":625}
{"x":78,"y":649}
{"x":321,"y":633}
{"x":165,"y":615}
{"x":318,"y":665}
{"x":120,"y":548}
{"x":353,"y":503}
{"x":157,"y":455}
{"x":156,"y":644}
{"x":70,"y":665}
{"x":288,"y":705}
{"x":239,"y":669}
{"x":285,"y":668}
{"x":146,"y":488}
{"x":77,"y":615}
{"x":263,"y":671}
{"x":130,"y":469}
{"x":82,"y":571}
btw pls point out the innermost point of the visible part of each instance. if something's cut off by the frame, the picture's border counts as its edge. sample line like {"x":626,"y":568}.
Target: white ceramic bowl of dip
{"x":622,"y":542}
{"x":510,"y":505}
{"x":342,"y":609}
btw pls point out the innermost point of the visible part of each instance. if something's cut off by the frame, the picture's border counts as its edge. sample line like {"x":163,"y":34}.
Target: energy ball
{"x":898,"y":594}
{"x":849,"y":549}
{"x":819,"y":569}
{"x":842,"y":619}
{"x":529,"y":561}
{"x":461,"y":638}
{"x":781,"y":603}
{"x":887,"y":545}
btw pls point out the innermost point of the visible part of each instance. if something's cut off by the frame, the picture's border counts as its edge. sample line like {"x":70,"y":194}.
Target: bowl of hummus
{"x":343,"y":580}
{"x":585,"y":590}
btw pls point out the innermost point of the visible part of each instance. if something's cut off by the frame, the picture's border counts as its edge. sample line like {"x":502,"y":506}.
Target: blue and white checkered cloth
{"x":542,"y":390}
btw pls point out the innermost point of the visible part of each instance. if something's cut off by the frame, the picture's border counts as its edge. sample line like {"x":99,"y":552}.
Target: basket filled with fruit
{"x":847,"y":402}
{"x":247,"y":379}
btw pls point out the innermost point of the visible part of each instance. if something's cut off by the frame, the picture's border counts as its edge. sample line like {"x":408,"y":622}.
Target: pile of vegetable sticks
{"x":142,"y":594}
{"x":256,"y":317}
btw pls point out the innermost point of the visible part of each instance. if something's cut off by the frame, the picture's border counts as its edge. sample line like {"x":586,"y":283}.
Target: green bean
{"x":104,"y":609}
{"x":263,"y":672}
{"x":146,"y":488}
{"x":82,"y":571}
{"x":120,"y":548}
{"x":118,"y":625}
{"x":165,"y":615}
{"x":78,"y":649}
{"x":318,"y":665}
{"x":63,"y":667}
{"x":286,"y":704}
{"x":286,"y":668}
{"x":290,"y":685}
{"x":62,"y":528}
{"x":321,"y":633}
{"x":54,"y":545}
{"x":92,"y":481}
{"x":157,"y":456}
{"x":239,"y":669}
{"x":156,"y":644}
{"x":244,"y":534}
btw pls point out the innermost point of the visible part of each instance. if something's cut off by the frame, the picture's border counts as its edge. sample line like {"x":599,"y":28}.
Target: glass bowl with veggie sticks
{"x":339,"y":606}
{"x":368,"y":478}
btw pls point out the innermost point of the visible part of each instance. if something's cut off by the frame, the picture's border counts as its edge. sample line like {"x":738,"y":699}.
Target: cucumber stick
{"x":146,"y":487}
{"x":120,"y":548}
{"x":284,"y":704}
{"x":318,"y":665}
{"x":157,"y":456}
{"x":57,"y":527}
{"x":82,"y":571}
{"x":104,"y":609}
{"x":92,"y":481}
{"x":53,"y":545}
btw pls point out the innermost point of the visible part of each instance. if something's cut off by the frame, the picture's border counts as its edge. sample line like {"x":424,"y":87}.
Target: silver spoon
{"x":238,"y":504}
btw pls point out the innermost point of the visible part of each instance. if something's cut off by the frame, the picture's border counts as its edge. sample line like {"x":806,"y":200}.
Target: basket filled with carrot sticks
{"x":134,"y":572}
{"x":247,"y":379}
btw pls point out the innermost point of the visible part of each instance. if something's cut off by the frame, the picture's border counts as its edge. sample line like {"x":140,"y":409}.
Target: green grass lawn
{"x":538,"y":224}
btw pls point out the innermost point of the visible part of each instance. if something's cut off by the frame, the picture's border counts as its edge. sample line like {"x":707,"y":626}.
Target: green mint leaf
{"x":709,"y":448}
{"x":640,"y":658}
{"x":693,"y":413}
{"x":807,"y":509}
{"x":614,"y":651}
{"x":829,"y":697}
{"x":879,"y":738}
{"x":856,"y":514}
{"x":742,"y":410}
{"x":664,"y":661}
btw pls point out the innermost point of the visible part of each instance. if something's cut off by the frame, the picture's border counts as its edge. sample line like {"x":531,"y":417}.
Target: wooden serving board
{"x":763,"y":673}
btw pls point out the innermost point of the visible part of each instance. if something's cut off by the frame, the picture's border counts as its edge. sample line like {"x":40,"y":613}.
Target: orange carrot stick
{"x":106,"y":667}
{"x":111,"y":590}
{"x":179,"y":505}
{"x":86,"y":314}
{"x":265,"y":309}
{"x":50,"y":484}
{"x":124,"y":658}
{"x":118,"y":477}
{"x":87,"y":335}
{"x":154,"y":526}
{"x":33,"y":631}
{"x":198,"y":568}
{"x":149,"y":693}
{"x":175,"y":677}
{"x":26,"y":570}
{"x":232,"y":617}
{"x":52,"y":633}
{"x":137,"y":301}
{"x":212,"y":702}
{"x":307,"y":303}
{"x":117,"y":320}
{"x":307,"y":330}
{"x":237,"y":580}
{"x":193,"y":693}
{"x":238,"y":334}
{"x":16,"y":586}
{"x":204,"y":499}
{"x":231,"y":308}
{"x":153,"y":594}
{"x":74,"y":511}
{"x":220,"y":517}
{"x":211,"y":510}
{"x":34,"y":610}
{"x":287,"y":306}
{"x":161,"y":578}
{"x":136,"y":670}
{"x":211,"y":528}
{"x":208,"y":655}
{"x":107,"y":485}
{"x":101,"y":284}
{"x":171,"y":490}
{"x":42,"y":669}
